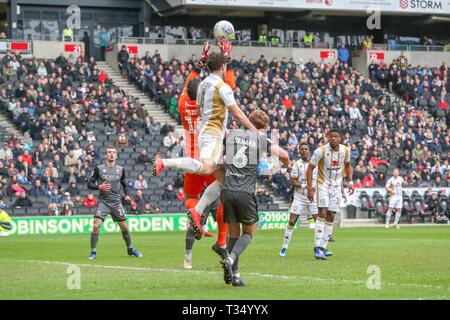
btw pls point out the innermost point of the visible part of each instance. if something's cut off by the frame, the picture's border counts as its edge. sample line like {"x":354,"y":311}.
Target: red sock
{"x":191,"y":203}
{"x":223,"y":227}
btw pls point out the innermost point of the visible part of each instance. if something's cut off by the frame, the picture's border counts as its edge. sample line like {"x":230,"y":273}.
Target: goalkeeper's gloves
{"x":204,"y":56}
{"x":225,"y":47}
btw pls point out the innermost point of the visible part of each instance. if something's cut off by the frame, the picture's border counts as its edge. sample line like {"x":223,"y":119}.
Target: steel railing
{"x":242,"y":43}
{"x":50,"y":37}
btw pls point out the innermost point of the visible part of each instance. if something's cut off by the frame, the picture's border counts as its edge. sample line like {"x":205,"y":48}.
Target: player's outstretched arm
{"x":242,"y":118}
{"x":281,"y":154}
{"x":226,"y":48}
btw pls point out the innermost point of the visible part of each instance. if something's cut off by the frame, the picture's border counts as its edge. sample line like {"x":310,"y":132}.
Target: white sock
{"x":388,"y":216}
{"x":211,"y":194}
{"x":287,"y":236}
{"x":186,"y":164}
{"x":188,"y":253}
{"x":205,"y":227}
{"x":327,"y":231}
{"x":318,"y":232}
{"x":231,"y":260}
{"x":397,"y":217}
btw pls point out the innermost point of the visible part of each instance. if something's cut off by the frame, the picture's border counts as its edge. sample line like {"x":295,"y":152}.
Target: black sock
{"x":126,"y":236}
{"x":240,"y":246}
{"x":190,"y":239}
{"x":230,"y":245}
{"x":94,"y":240}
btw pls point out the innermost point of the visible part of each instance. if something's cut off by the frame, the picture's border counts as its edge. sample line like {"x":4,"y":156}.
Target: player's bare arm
{"x":240,"y":116}
{"x":281,"y":154}
{"x":349,"y":174}
{"x":309,"y":182}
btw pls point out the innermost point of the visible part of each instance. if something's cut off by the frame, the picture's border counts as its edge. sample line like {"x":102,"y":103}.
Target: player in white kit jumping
{"x":394,"y":187}
{"x":301,"y":204}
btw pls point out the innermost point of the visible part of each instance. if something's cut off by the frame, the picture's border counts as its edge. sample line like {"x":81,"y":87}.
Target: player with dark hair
{"x":300,"y":205}
{"x":110,"y":180}
{"x":214,"y":100}
{"x":244,"y":149}
{"x":332,"y":161}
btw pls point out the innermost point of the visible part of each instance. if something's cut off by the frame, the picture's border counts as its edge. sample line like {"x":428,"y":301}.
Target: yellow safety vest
{"x":275,"y":41}
{"x":262,"y":38}
{"x":67,"y":32}
{"x":308,"y":38}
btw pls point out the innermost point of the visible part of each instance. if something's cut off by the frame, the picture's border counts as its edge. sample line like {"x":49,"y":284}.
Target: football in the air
{"x":223,"y":30}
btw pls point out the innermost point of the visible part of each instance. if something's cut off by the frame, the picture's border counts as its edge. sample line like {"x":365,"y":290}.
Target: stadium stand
{"x":387,"y":119}
{"x":65,"y":133}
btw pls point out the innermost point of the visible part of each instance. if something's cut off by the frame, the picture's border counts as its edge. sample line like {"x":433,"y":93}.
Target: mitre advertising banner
{"x":400,"y":6}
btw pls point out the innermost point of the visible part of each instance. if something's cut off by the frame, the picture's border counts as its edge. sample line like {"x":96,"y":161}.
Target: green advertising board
{"x":138,"y":223}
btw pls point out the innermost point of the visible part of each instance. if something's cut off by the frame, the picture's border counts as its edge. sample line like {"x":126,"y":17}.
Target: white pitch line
{"x":252,"y":274}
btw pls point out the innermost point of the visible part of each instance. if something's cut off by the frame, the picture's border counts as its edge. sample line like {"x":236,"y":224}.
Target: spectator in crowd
{"x":71,"y":159}
{"x":180,"y":195}
{"x":90,"y":201}
{"x":122,"y":57}
{"x":105,"y":39}
{"x":55,"y":196}
{"x":143,"y":158}
{"x":169,"y":193}
{"x":121,"y":141}
{"x":140,"y":202}
{"x":22,"y":201}
{"x":135,"y":140}
{"x":140,"y":182}
{"x":73,"y":189}
{"x":266,"y":198}
{"x":170,"y":139}
{"x":343,"y":54}
{"x":37,"y":190}
{"x":67,"y":201}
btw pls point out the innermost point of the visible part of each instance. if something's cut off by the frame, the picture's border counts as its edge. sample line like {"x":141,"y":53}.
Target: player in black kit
{"x":243,"y":151}
{"x":109,"y":179}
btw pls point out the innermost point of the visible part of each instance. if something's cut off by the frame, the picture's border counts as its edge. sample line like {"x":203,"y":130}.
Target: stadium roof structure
{"x":321,"y":7}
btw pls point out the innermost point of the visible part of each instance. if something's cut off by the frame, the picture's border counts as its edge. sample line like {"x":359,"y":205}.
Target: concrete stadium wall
{"x":362,"y":59}
{"x":52,"y":49}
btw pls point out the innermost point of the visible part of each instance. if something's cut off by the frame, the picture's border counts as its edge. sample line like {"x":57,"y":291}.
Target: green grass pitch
{"x":414,"y":263}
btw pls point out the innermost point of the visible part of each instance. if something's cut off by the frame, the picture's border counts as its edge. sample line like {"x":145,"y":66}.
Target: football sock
{"x":327,"y":231}
{"x":241,"y":244}
{"x":397,"y":216}
{"x":287,"y":235}
{"x":190,"y":239}
{"x":126,"y":236}
{"x":318,"y":232}
{"x":388,"y":216}
{"x":209,"y":196}
{"x":223,"y":228}
{"x":94,"y":240}
{"x":186,"y":164}
{"x":230,"y":246}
